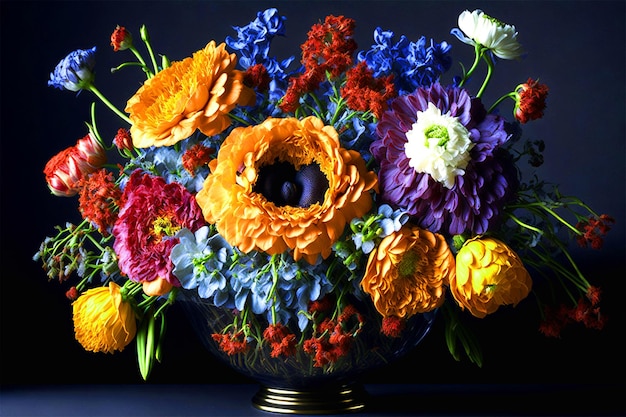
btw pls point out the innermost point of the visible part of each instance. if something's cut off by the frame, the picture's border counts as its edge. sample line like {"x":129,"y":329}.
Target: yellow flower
{"x":408,"y":272}
{"x":488,"y":275}
{"x":195,"y":93}
{"x":286,"y":184}
{"x":103,"y":321}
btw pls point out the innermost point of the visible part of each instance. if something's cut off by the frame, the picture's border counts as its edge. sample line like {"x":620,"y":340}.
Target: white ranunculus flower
{"x":439,"y":145}
{"x":498,"y":37}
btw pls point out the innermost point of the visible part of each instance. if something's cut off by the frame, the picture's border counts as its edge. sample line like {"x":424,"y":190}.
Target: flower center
{"x":284,"y":185}
{"x":438,"y":145}
{"x":408,"y":264}
{"x":437,"y":132}
{"x":163,"y":226}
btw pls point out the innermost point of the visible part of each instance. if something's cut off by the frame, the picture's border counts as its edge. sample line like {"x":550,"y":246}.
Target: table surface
{"x":384,"y":400}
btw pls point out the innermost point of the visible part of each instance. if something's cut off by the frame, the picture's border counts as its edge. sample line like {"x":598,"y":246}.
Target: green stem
{"x":487,"y":77}
{"x":478,"y":52}
{"x":511,"y":95}
{"x":110,"y":105}
{"x":141,"y":61}
{"x":146,"y":40}
{"x":524,"y":225}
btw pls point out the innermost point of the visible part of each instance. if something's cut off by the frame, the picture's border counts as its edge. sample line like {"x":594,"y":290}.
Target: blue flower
{"x":413,"y":64}
{"x":253,"y":40}
{"x":75,"y":71}
{"x":277,"y":287}
{"x":201,"y":261}
{"x":253,"y":46}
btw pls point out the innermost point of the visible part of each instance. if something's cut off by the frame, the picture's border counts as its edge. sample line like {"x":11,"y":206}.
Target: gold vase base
{"x":336,"y":400}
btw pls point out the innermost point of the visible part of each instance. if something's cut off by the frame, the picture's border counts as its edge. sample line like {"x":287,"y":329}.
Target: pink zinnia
{"x":151,"y":212}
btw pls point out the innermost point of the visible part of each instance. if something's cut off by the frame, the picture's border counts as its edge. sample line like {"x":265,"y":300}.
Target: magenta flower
{"x":441,"y":160}
{"x":151,"y":212}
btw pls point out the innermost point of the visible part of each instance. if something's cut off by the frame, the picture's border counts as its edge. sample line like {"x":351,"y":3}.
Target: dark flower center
{"x":284,"y":185}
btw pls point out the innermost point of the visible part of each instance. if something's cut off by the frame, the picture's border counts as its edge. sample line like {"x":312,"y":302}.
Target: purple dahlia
{"x":441,"y":159}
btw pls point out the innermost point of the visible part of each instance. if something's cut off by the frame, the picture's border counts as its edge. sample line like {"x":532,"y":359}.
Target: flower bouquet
{"x":317,"y":210}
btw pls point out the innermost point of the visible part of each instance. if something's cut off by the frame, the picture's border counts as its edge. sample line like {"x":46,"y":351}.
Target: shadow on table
{"x":498,"y":400}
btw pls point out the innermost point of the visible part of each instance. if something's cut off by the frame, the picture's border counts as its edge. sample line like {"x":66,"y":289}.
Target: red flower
{"x":364,"y":92}
{"x":67,"y":168}
{"x":151,"y":212}
{"x":593,"y":294}
{"x":593,"y":231}
{"x":328,"y":48}
{"x":555,"y":321}
{"x":196,"y":156}
{"x":99,"y":200}
{"x":531,"y":101}
{"x":121,"y":39}
{"x":281,"y":340}
{"x":590,"y":316}
{"x":231,"y":343}
{"x":72,"y":293}
{"x":122,"y":140}
{"x":393,"y":326}
{"x":257,"y":77}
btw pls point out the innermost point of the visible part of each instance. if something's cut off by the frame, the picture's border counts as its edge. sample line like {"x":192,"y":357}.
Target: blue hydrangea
{"x":413,"y":64}
{"x":75,"y":72}
{"x":201,"y":261}
{"x":277,"y":287}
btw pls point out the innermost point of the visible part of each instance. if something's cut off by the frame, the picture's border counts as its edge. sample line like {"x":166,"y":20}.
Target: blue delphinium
{"x":252,"y":45}
{"x":75,"y":72}
{"x":413,"y":64}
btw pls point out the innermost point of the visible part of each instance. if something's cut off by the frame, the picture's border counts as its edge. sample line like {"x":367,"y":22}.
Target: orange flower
{"x":103,"y":321}
{"x":408,"y":271}
{"x":286,"y":184}
{"x":195,"y":93}
{"x":488,"y":275}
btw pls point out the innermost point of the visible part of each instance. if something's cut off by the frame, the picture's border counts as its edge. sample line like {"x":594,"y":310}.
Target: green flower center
{"x":408,"y":264}
{"x":436,"y":132}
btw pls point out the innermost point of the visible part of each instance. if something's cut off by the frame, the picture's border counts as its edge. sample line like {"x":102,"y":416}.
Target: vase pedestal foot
{"x":337,"y":399}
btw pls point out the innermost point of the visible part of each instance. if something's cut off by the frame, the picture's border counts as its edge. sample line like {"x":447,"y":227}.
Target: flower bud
{"x":75,"y":71}
{"x":121,"y":39}
{"x":67,"y":168}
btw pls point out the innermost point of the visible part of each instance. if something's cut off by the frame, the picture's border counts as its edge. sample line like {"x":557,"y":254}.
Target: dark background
{"x":577,"y":48}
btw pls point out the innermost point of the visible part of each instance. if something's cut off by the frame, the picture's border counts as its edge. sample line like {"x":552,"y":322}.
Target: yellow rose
{"x":489,"y":274}
{"x":103,"y":321}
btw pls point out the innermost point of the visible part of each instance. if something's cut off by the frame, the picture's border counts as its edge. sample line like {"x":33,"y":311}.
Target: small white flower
{"x":498,"y":37}
{"x":439,"y":145}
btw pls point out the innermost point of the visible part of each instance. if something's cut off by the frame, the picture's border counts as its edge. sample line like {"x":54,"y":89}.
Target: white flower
{"x":498,"y":37}
{"x":439,"y":145}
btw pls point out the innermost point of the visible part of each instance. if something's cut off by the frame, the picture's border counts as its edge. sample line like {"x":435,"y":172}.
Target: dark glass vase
{"x":294,"y":384}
